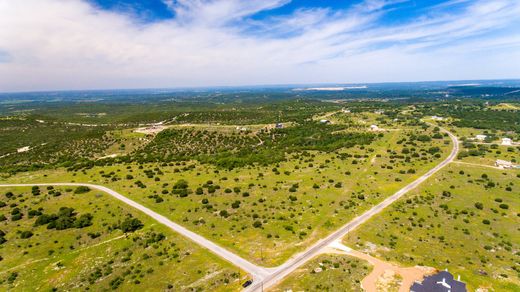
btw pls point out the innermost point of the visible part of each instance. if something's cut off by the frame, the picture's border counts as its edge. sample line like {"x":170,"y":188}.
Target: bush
{"x":26,"y":234}
{"x":479,"y":205}
{"x":224,"y":213}
{"x":82,"y":190}
{"x":424,"y":138}
{"x":131,"y":225}
{"x":83,"y":221}
{"x":504,"y":206}
{"x":486,"y":221}
{"x":257,"y":224}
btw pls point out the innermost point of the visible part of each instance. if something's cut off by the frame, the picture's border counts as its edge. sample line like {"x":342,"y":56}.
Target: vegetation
{"x":327,"y":273}
{"x":221,"y":166}
{"x":54,"y":247}
{"x":457,"y":221}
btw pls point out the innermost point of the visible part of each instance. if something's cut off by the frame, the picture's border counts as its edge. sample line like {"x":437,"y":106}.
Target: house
{"x":346,"y":111}
{"x":441,"y":282}
{"x":23,"y":149}
{"x":481,"y":137}
{"x":437,"y":118}
{"x":507,"y":141}
{"x":379,"y":112}
{"x":374,"y":128}
{"x":504,"y":164}
{"x":325,"y":121}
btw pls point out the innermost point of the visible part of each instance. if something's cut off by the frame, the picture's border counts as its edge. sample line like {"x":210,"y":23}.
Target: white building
{"x":374,"y":128}
{"x":507,"y":142}
{"x":504,"y":164}
{"x":346,"y":111}
{"x":23,"y":149}
{"x":325,"y":121}
{"x":481,"y":137}
{"x":437,"y":118}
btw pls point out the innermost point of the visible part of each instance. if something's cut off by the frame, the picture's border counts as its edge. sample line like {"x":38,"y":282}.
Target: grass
{"x":442,"y":224}
{"x":99,"y":257}
{"x":283,"y":208}
{"x":338,"y":273}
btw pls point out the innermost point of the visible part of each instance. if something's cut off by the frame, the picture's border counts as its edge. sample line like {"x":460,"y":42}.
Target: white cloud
{"x":68,"y":44}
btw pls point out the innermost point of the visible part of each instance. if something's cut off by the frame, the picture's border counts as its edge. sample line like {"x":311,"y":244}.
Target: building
{"x":507,"y":141}
{"x":374,"y":128}
{"x":481,"y":137}
{"x":278,"y":126}
{"x":440,"y":282}
{"x":23,"y":149}
{"x":437,"y":118}
{"x":504,"y":164}
{"x":325,"y":121}
{"x":346,"y":111}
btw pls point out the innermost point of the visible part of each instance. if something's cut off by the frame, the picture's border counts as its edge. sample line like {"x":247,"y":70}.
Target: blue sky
{"x":84,"y":44}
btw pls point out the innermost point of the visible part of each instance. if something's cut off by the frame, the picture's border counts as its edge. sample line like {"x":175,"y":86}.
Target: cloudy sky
{"x":100,"y":44}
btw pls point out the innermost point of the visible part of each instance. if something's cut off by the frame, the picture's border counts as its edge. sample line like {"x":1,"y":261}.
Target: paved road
{"x":267,"y":277}
{"x":257,"y":272}
{"x":300,"y":259}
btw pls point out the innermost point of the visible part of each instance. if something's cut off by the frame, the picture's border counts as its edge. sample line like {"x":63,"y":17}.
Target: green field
{"x":224,"y":171}
{"x":267,"y":214}
{"x":99,"y":256}
{"x":328,"y":272}
{"x":464,"y":219}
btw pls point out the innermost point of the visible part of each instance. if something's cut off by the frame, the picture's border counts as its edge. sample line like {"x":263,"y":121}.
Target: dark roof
{"x":432,"y":284}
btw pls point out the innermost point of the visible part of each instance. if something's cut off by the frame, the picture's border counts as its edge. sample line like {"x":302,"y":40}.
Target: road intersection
{"x":264,"y":278}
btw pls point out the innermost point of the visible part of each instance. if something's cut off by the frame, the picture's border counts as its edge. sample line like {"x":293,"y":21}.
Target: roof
{"x":440,"y":282}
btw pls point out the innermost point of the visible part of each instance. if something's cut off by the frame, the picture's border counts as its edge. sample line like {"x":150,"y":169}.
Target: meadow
{"x":100,"y":244}
{"x":464,"y":219}
{"x":268,"y":213}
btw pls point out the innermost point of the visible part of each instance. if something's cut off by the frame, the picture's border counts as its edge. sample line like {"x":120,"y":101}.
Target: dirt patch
{"x":386,"y":276}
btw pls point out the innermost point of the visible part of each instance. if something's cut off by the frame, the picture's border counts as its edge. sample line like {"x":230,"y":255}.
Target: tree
{"x":257,"y":224}
{"x":131,"y":225}
{"x":84,"y":221}
{"x":479,"y":205}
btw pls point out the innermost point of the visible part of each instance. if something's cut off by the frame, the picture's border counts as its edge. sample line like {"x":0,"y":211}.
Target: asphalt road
{"x":267,"y":277}
{"x":257,"y":272}
{"x":292,"y":264}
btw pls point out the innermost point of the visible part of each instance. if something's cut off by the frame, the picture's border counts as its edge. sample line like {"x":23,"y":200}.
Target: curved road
{"x":267,"y":277}
{"x":256,"y":271}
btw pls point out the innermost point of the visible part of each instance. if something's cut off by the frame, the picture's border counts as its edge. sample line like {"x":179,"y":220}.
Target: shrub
{"x":83,"y":221}
{"x":82,"y":190}
{"x":479,"y":205}
{"x":223,"y":213}
{"x":26,"y":234}
{"x":131,"y":225}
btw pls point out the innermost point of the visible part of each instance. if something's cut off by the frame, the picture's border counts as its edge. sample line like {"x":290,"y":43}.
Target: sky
{"x":106,"y":44}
